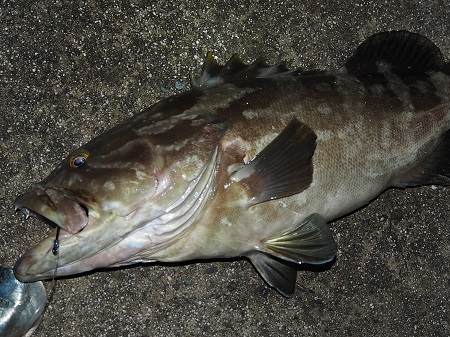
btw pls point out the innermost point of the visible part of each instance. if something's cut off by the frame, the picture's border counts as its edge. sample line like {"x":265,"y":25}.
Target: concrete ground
{"x":70,"y":70}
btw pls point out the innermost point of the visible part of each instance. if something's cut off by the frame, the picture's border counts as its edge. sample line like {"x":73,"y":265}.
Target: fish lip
{"x":54,"y":206}
{"x":41,"y":251}
{"x":42,"y":202}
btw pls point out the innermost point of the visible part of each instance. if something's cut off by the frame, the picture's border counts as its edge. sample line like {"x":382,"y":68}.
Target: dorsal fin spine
{"x":400,"y":52}
{"x":235,"y":70}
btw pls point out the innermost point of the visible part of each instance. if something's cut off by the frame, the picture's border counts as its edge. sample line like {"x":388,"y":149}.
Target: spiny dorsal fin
{"x":282,"y":168}
{"x":400,"y":52}
{"x":214,"y":74}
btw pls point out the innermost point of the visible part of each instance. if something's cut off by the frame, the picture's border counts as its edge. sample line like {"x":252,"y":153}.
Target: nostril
{"x":85,"y":209}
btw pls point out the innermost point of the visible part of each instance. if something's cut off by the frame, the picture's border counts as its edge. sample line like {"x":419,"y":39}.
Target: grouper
{"x":254,"y":161}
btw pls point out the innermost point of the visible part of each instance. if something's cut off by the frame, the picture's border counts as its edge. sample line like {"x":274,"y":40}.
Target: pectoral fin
{"x":311,"y":242}
{"x":282,"y":168}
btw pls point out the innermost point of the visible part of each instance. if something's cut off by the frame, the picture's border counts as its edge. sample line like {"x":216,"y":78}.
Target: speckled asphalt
{"x":70,"y":70}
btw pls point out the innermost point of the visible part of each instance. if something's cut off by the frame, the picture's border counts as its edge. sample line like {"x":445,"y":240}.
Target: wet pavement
{"x":69,"y":71}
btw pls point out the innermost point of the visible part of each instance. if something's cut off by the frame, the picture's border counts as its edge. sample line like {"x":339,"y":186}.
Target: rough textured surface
{"x":69,"y":71}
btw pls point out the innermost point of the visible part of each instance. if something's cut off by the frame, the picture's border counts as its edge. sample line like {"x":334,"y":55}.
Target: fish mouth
{"x":57,"y":207}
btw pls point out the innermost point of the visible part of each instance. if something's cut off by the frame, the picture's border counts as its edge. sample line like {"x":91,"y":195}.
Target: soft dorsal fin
{"x":398,"y":52}
{"x":214,"y":74}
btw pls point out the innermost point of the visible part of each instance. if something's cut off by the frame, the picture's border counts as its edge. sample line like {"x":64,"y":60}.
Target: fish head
{"x":114,"y":174}
{"x":116,"y":197}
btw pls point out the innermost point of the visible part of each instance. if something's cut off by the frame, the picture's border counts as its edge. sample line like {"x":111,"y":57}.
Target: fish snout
{"x":55,"y":207}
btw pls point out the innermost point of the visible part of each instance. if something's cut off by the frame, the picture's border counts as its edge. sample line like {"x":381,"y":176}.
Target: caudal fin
{"x":433,"y":169}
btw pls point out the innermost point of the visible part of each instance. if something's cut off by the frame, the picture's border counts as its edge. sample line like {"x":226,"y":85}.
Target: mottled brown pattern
{"x":172,"y":106}
{"x":164,"y":178}
{"x":423,"y":92}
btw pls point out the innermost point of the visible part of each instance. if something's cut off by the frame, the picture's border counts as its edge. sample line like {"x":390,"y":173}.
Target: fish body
{"x":253,"y":161}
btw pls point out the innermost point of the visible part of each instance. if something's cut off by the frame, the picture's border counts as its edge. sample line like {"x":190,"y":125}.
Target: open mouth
{"x":61,"y":210}
{"x":54,"y":206}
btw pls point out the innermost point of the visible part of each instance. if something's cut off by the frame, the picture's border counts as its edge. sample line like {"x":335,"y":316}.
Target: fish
{"x":254,"y":161}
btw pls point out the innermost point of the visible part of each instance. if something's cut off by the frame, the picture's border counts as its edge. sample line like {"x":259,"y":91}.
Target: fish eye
{"x":79,"y":159}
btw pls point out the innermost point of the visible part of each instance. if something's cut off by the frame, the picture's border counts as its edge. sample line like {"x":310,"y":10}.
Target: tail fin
{"x":433,"y":169}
